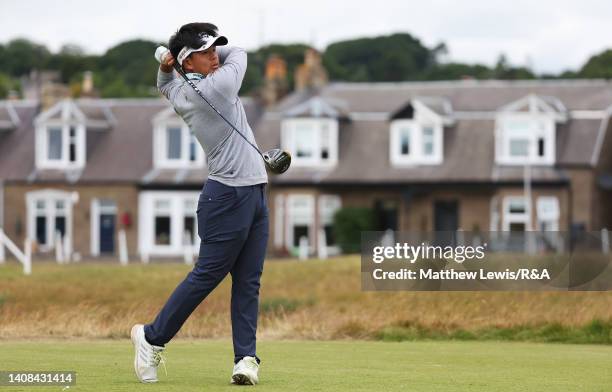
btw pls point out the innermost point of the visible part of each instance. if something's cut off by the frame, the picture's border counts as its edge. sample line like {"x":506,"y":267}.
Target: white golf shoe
{"x":245,"y":372}
{"x":146,"y":357}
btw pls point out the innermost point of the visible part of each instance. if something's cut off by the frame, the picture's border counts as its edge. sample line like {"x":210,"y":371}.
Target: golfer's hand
{"x":167,"y":63}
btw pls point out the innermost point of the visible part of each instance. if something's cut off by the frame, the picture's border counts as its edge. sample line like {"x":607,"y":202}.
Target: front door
{"x":104,"y":223}
{"x":446,"y":222}
{"x":385,"y":215}
{"x":446,"y":216}
{"x":107,"y":233}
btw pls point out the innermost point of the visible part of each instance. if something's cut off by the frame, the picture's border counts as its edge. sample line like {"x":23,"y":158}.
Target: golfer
{"x":232,"y":209}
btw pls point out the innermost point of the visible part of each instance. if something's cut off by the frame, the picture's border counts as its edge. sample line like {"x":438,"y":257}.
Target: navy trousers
{"x":233,"y":229}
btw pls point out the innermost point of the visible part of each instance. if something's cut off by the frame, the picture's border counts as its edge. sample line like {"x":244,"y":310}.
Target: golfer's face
{"x":204,"y":62}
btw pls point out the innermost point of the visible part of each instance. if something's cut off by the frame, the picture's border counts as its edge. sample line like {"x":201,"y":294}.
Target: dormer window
{"x":61,"y":146}
{"x":311,"y":141}
{"x":525,"y":131}
{"x":175,"y":147}
{"x":524,"y":138}
{"x":417,"y":130}
{"x":413,"y":142}
{"x":60,"y":138}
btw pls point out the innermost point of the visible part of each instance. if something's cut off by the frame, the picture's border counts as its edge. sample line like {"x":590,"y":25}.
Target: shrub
{"x":349,"y":222}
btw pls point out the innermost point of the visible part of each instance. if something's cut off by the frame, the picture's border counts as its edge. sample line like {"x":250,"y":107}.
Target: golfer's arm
{"x":165,"y":85}
{"x":222,"y":52}
{"x":228,"y":78}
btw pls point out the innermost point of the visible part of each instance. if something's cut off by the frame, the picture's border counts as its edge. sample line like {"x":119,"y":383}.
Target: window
{"x":60,"y":146}
{"x":176,"y":147}
{"x":547,"y":208}
{"x":55,"y":144}
{"x":328,"y":205}
{"x":49,"y":217}
{"x":174,"y":143}
{"x":311,"y":142}
{"x":72,"y":145}
{"x":525,"y":138}
{"x":168,"y":223}
{"x":300,"y":216}
{"x":516,"y":213}
{"x":416,"y":142}
{"x":162,"y":222}
{"x":428,"y":141}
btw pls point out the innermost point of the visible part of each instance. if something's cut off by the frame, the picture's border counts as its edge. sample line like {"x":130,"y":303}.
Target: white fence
{"x":24,"y":257}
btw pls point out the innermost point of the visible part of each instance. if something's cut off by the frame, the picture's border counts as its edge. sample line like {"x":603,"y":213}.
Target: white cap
{"x":207,"y":42}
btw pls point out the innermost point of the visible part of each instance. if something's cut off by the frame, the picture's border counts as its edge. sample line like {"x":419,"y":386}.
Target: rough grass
{"x":299,"y":300}
{"x":328,"y":366}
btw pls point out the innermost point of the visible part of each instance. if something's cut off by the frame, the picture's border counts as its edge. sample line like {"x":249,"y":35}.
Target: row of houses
{"x":424,"y":155}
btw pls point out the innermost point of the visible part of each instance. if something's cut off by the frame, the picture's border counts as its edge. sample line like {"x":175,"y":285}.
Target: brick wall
{"x":125,"y":197}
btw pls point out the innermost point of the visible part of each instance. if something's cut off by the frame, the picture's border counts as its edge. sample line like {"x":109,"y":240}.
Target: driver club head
{"x":277,"y":160}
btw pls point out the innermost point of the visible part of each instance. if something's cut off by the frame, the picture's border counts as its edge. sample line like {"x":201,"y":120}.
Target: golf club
{"x":277,"y":160}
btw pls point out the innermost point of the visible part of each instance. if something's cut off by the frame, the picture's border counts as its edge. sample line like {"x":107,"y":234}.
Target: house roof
{"x":119,"y":144}
{"x":364,"y":141}
{"x":120,"y":133}
{"x":471,"y":95}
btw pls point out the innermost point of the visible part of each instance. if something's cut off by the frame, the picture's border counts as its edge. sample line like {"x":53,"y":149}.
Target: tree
{"x":7,"y":84}
{"x":387,"y":58}
{"x":20,"y":56}
{"x":598,"y":66}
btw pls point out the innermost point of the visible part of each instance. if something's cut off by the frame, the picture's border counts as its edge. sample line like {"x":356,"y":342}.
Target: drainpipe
{"x":2,"y":255}
{"x":1,"y":203}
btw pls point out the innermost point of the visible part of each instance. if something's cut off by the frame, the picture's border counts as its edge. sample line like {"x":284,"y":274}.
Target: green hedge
{"x":349,"y":222}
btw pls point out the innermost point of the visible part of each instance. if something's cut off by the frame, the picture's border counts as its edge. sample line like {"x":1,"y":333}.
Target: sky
{"x":547,"y":36}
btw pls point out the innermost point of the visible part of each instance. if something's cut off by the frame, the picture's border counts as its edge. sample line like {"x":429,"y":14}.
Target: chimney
{"x":52,"y":93}
{"x":87,"y":86}
{"x":51,"y":90}
{"x":275,"y":85}
{"x":311,"y":74}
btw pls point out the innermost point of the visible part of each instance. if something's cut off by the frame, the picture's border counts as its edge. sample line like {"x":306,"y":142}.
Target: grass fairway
{"x":200,"y":365}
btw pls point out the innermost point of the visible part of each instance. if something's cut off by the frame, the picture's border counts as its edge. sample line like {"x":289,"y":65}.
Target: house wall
{"x":125,"y":197}
{"x":416,"y":209}
{"x":473,"y":209}
{"x":584,"y":198}
{"x":603,"y":197}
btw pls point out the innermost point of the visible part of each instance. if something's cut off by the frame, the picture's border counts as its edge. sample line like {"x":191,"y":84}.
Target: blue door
{"x":107,"y":233}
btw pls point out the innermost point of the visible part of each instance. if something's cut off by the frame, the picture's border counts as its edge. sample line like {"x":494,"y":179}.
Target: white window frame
{"x":160,"y":147}
{"x":64,"y":115}
{"x":326,"y":216}
{"x":146,"y":213}
{"x":292,"y":220}
{"x":415,"y":128}
{"x":288,"y":141}
{"x":509,"y":217}
{"x":50,"y":197}
{"x":64,"y":163}
{"x":532,"y":133}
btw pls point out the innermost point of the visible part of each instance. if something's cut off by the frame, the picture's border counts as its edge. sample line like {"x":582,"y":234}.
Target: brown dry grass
{"x":300,"y":300}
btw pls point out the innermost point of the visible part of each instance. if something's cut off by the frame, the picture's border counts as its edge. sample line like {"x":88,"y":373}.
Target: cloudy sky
{"x":548,"y":36}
